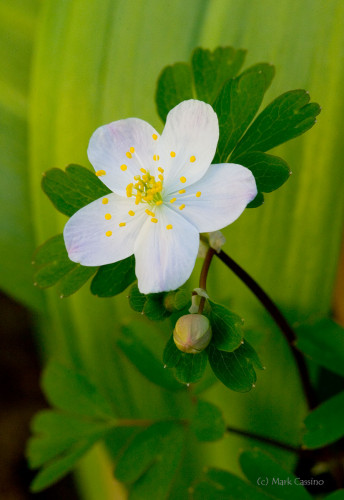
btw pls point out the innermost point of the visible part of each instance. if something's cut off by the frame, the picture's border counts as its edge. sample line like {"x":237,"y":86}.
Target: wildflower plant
{"x":137,"y":224}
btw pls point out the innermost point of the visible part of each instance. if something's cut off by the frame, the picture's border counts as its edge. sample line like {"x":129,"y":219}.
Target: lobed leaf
{"x":189,"y":368}
{"x":73,"y":188}
{"x":325,"y":424}
{"x":227,"y":331}
{"x":113,"y":279}
{"x":174,"y":86}
{"x":208,"y":423}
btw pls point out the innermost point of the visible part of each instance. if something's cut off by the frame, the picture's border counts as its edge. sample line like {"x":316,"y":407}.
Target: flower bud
{"x":192,"y":333}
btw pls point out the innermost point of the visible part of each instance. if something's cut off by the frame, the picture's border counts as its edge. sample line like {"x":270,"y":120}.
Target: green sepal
{"x":227,"y":328}
{"x":73,"y":188}
{"x":113,"y":279}
{"x":189,"y":368}
{"x":208,"y":423}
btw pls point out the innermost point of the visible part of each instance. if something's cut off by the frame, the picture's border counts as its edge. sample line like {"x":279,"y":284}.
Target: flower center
{"x":146,"y":189}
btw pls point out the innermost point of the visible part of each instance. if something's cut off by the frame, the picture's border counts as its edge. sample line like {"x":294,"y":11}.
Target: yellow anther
{"x":173,"y":154}
{"x":159,"y":202}
{"x":137,"y":177}
{"x":145,"y":178}
{"x":173,"y":200}
{"x":181,"y":191}
{"x":107,"y":216}
{"x":198,"y":194}
{"x":158,"y":157}
{"x":123,"y":167}
{"x":143,"y":170}
{"x":138,"y":198}
{"x":192,"y":158}
{"x":108,"y":233}
{"x":128,"y":155}
{"x":155,"y":157}
{"x":182,"y":207}
{"x":122,"y":224}
{"x":131,"y":212}
{"x":169,"y":226}
{"x":182,"y":179}
{"x":161,"y":170}
{"x":129,"y":189}
{"x":155,"y":137}
{"x":161,"y":177}
{"x":132,"y":150}
{"x":148,"y":212}
{"x":154,"y":220}
{"x":105,"y":201}
{"x":100,"y":172}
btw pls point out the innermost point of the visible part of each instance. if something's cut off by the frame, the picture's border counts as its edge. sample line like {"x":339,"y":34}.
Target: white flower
{"x":165,"y":192}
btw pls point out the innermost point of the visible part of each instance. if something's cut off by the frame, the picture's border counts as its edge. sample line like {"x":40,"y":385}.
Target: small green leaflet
{"x":226,"y":328}
{"x":158,"y":306}
{"x":325,"y":424}
{"x":189,"y":368}
{"x":73,"y":188}
{"x":113,"y":279}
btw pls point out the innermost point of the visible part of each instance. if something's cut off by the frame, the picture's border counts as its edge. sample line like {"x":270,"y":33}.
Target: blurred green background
{"x":69,"y":66}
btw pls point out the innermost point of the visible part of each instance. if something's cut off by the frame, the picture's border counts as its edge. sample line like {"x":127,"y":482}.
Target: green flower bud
{"x":192,"y":333}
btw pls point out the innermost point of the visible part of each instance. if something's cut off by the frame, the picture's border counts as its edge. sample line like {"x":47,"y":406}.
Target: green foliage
{"x":226,"y":328}
{"x":218,"y":484}
{"x":158,"y":306}
{"x":73,"y":188}
{"x":143,"y":344}
{"x":208,"y":423}
{"x":323,"y":341}
{"x":235,"y":369}
{"x":52,"y":266}
{"x":325,"y":424}
{"x":113,"y":279}
{"x":189,"y":368}
{"x":151,"y":461}
{"x":270,"y":172}
{"x":257,"y":464}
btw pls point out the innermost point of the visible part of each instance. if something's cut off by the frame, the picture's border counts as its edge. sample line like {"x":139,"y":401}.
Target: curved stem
{"x":203,"y":277}
{"x":279,"y":319}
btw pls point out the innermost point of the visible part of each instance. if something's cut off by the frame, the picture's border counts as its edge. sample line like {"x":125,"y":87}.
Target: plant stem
{"x":279,"y":319}
{"x":203,"y":277}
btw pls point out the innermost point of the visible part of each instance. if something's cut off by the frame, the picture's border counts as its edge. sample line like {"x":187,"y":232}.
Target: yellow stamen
{"x":155,"y":137}
{"x":159,"y":202}
{"x":182,"y":179}
{"x":138,"y":198}
{"x":154,"y":157}
{"x":132,"y":150}
{"x":108,"y":233}
{"x":123,"y":167}
{"x":131,"y":212}
{"x":182,"y":191}
{"x":161,"y":177}
{"x":128,"y":155}
{"x":143,"y":170}
{"x":105,"y":201}
{"x":198,"y":194}
{"x":137,"y":177}
{"x":182,"y":207}
{"x":148,"y":212}
{"x":192,"y":158}
{"x":173,"y":200}
{"x":100,"y":172}
{"x":107,"y":216}
{"x":122,"y":224}
{"x":161,"y":170}
{"x":154,"y":220}
{"x":169,"y":226}
{"x":129,"y":189}
{"x":173,"y":154}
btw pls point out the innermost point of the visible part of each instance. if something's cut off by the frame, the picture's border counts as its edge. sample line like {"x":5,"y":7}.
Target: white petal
{"x":191,"y":132}
{"x":165,"y":257}
{"x":85,"y":232}
{"x":225,"y":190}
{"x":108,"y":148}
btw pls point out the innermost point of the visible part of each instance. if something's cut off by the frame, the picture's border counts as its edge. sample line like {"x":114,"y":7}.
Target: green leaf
{"x":55,"y":432}
{"x":142,"y":345}
{"x":189,"y":367}
{"x":212,"y":69}
{"x":113,"y":279}
{"x":257,"y":202}
{"x":154,"y":307}
{"x":226,"y":328}
{"x":70,"y":391}
{"x":325,"y":424}
{"x":75,"y":279}
{"x":336,"y":495}
{"x":208,"y":423}
{"x":137,"y":299}
{"x":323,"y":341}
{"x":51,"y":262}
{"x":288,"y":116}
{"x":219,"y":484}
{"x":73,"y":188}
{"x":270,"y":172}
{"x":278,"y":482}
{"x":151,"y":461}
{"x":174,"y":86}
{"x":233,"y":369}
{"x":236,"y":106}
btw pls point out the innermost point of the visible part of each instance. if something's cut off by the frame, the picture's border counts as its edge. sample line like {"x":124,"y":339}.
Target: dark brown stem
{"x":279,"y":319}
{"x":203,"y":277}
